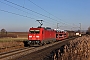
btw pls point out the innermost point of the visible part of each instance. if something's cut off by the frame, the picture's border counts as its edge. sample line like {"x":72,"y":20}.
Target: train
{"x":41,"y":35}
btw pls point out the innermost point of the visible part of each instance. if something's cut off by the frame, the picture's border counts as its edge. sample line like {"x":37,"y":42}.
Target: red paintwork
{"x":60,"y":35}
{"x":33,"y":35}
{"x":45,"y":34}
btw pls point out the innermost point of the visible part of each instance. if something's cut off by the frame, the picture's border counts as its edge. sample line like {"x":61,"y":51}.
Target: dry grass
{"x":78,"y":49}
{"x":8,"y":46}
{"x":12,"y":39}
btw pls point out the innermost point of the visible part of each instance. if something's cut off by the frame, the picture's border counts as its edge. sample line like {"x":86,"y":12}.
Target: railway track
{"x":24,"y":51}
{"x":45,"y":52}
{"x":14,"y":53}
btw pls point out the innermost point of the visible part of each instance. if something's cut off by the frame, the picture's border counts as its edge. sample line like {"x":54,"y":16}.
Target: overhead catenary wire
{"x":45,"y":10}
{"x":16,"y":14}
{"x":27,"y":9}
{"x":21,"y":15}
{"x":33,"y":11}
{"x":49,"y":13}
{"x":18,"y":8}
{"x":24,"y":11}
{"x":30,"y":10}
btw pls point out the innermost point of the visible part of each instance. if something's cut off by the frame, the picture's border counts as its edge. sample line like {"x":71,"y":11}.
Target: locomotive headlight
{"x":37,"y":36}
{"x":30,"y":36}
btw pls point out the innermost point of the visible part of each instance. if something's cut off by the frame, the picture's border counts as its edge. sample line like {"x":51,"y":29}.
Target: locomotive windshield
{"x":34,"y":31}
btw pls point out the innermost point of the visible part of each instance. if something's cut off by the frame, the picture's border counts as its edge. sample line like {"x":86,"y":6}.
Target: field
{"x":20,"y":36}
{"x":9,"y":43}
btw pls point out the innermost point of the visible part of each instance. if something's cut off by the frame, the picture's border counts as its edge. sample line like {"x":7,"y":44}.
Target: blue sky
{"x":68,"y":13}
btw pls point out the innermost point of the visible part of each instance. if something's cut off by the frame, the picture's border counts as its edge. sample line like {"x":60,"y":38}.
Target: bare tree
{"x":88,"y":31}
{"x":3,"y":31}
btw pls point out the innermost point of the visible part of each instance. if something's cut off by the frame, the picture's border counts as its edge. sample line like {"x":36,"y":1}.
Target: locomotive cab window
{"x":37,"y":31}
{"x":34,"y":31}
{"x":31,"y":31}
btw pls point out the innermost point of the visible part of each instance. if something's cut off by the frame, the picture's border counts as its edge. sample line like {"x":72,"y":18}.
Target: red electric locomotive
{"x":40,"y":35}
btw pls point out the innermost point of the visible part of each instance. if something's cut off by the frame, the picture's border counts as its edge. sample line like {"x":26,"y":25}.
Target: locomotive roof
{"x":46,"y":28}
